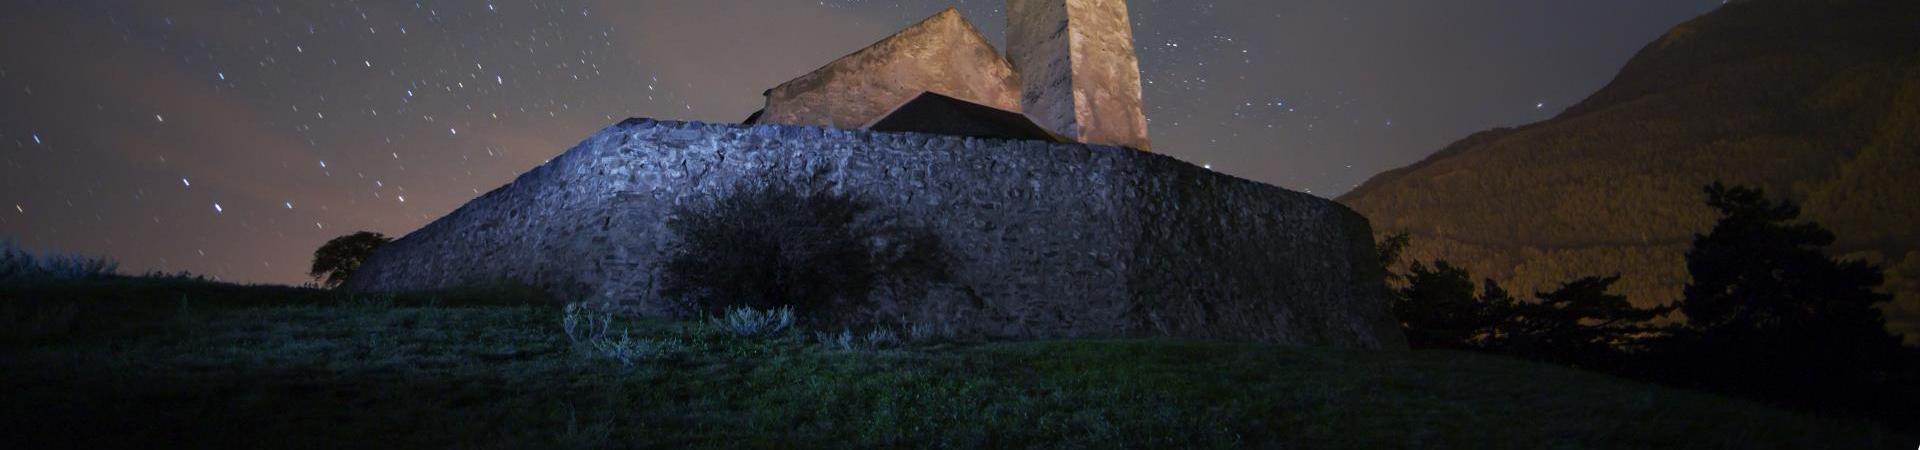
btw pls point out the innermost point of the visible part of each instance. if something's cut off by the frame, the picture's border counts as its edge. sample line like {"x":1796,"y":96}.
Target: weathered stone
{"x":942,"y":54}
{"x":1048,"y":240}
{"x":1079,"y":74}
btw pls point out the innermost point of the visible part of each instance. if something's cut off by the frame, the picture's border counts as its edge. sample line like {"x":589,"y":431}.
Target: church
{"x":1031,"y":169}
{"x":1070,"y":75}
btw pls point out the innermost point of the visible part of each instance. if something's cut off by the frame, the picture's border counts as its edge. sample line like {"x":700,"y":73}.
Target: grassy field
{"x":144,"y":363}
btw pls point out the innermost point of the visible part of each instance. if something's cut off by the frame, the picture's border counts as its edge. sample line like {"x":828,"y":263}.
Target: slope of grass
{"x":165,"y":364}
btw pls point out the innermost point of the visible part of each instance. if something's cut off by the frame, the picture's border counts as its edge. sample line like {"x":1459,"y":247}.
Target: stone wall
{"x":1048,"y":240}
{"x":943,"y":54}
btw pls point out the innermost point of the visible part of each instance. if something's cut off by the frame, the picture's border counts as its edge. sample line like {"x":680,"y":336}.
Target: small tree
{"x":341,"y":257}
{"x":1759,"y":273}
{"x":1768,"y":310}
{"x":1390,"y":248}
{"x":1579,"y":323}
{"x":1438,"y":308}
{"x":766,"y":247}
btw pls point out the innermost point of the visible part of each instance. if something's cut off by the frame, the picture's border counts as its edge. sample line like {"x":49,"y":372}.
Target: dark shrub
{"x":765,"y":247}
{"x":1581,"y":324}
{"x":339,"y":258}
{"x":1770,"y":314}
{"x":1438,"y":309}
{"x":19,"y":265}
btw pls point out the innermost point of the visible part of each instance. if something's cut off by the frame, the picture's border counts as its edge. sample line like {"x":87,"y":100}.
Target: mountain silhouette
{"x":1816,"y":101}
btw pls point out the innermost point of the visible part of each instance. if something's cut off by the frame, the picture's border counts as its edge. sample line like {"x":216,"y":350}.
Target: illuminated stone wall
{"x":1048,"y":240}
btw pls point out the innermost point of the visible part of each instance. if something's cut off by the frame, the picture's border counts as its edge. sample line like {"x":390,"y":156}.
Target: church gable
{"x":944,"y":54}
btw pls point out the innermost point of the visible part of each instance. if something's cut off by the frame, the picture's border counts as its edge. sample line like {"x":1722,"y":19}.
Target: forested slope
{"x":1814,"y":100}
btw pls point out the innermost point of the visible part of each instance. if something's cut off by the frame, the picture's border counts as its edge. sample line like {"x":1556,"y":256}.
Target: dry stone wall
{"x":1048,"y":240}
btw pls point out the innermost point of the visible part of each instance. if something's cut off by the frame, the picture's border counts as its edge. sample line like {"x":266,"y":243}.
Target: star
{"x":1210,"y":96}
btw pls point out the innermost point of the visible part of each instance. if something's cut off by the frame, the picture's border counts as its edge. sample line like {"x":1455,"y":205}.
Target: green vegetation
{"x":336,"y":260}
{"x":1815,"y":100}
{"x":812,"y":250}
{"x":180,"y":363}
{"x":19,"y":265}
{"x":1767,"y":315}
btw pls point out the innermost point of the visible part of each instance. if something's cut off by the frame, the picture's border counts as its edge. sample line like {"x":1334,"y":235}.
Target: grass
{"x":170,"y":363}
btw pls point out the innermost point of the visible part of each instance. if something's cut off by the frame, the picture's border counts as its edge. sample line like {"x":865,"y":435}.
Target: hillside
{"x":181,"y":364}
{"x":1817,"y":100}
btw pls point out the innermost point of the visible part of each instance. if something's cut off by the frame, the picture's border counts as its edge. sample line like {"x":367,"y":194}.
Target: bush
{"x":1770,"y":314}
{"x":843,"y":341}
{"x":1438,"y":308}
{"x":752,"y":323}
{"x":631,"y":352}
{"x":591,"y":331}
{"x":20,"y":265}
{"x":583,"y":325}
{"x":882,"y":338}
{"x":924,"y":333}
{"x":846,"y":340}
{"x":1582,"y":323}
{"x":339,"y":258}
{"x":767,"y":247}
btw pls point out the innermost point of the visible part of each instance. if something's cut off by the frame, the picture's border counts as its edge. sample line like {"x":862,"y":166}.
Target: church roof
{"x":934,"y":113}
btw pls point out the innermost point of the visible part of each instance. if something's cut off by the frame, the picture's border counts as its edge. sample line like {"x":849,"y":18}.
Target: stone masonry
{"x":943,"y":54}
{"x":1070,"y":67}
{"x":1080,"y":77}
{"x":1048,"y":240}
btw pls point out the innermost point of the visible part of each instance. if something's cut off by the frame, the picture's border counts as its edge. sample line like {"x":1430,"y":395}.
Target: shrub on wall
{"x":768,"y":247}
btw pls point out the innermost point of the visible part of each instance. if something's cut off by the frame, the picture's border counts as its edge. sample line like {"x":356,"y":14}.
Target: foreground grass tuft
{"x":148,"y":364}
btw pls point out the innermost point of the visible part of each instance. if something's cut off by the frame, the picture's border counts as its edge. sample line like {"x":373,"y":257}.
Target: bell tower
{"x":1080,"y":77}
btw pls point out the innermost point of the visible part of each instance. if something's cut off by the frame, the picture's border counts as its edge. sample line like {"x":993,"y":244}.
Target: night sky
{"x":231,"y":138}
